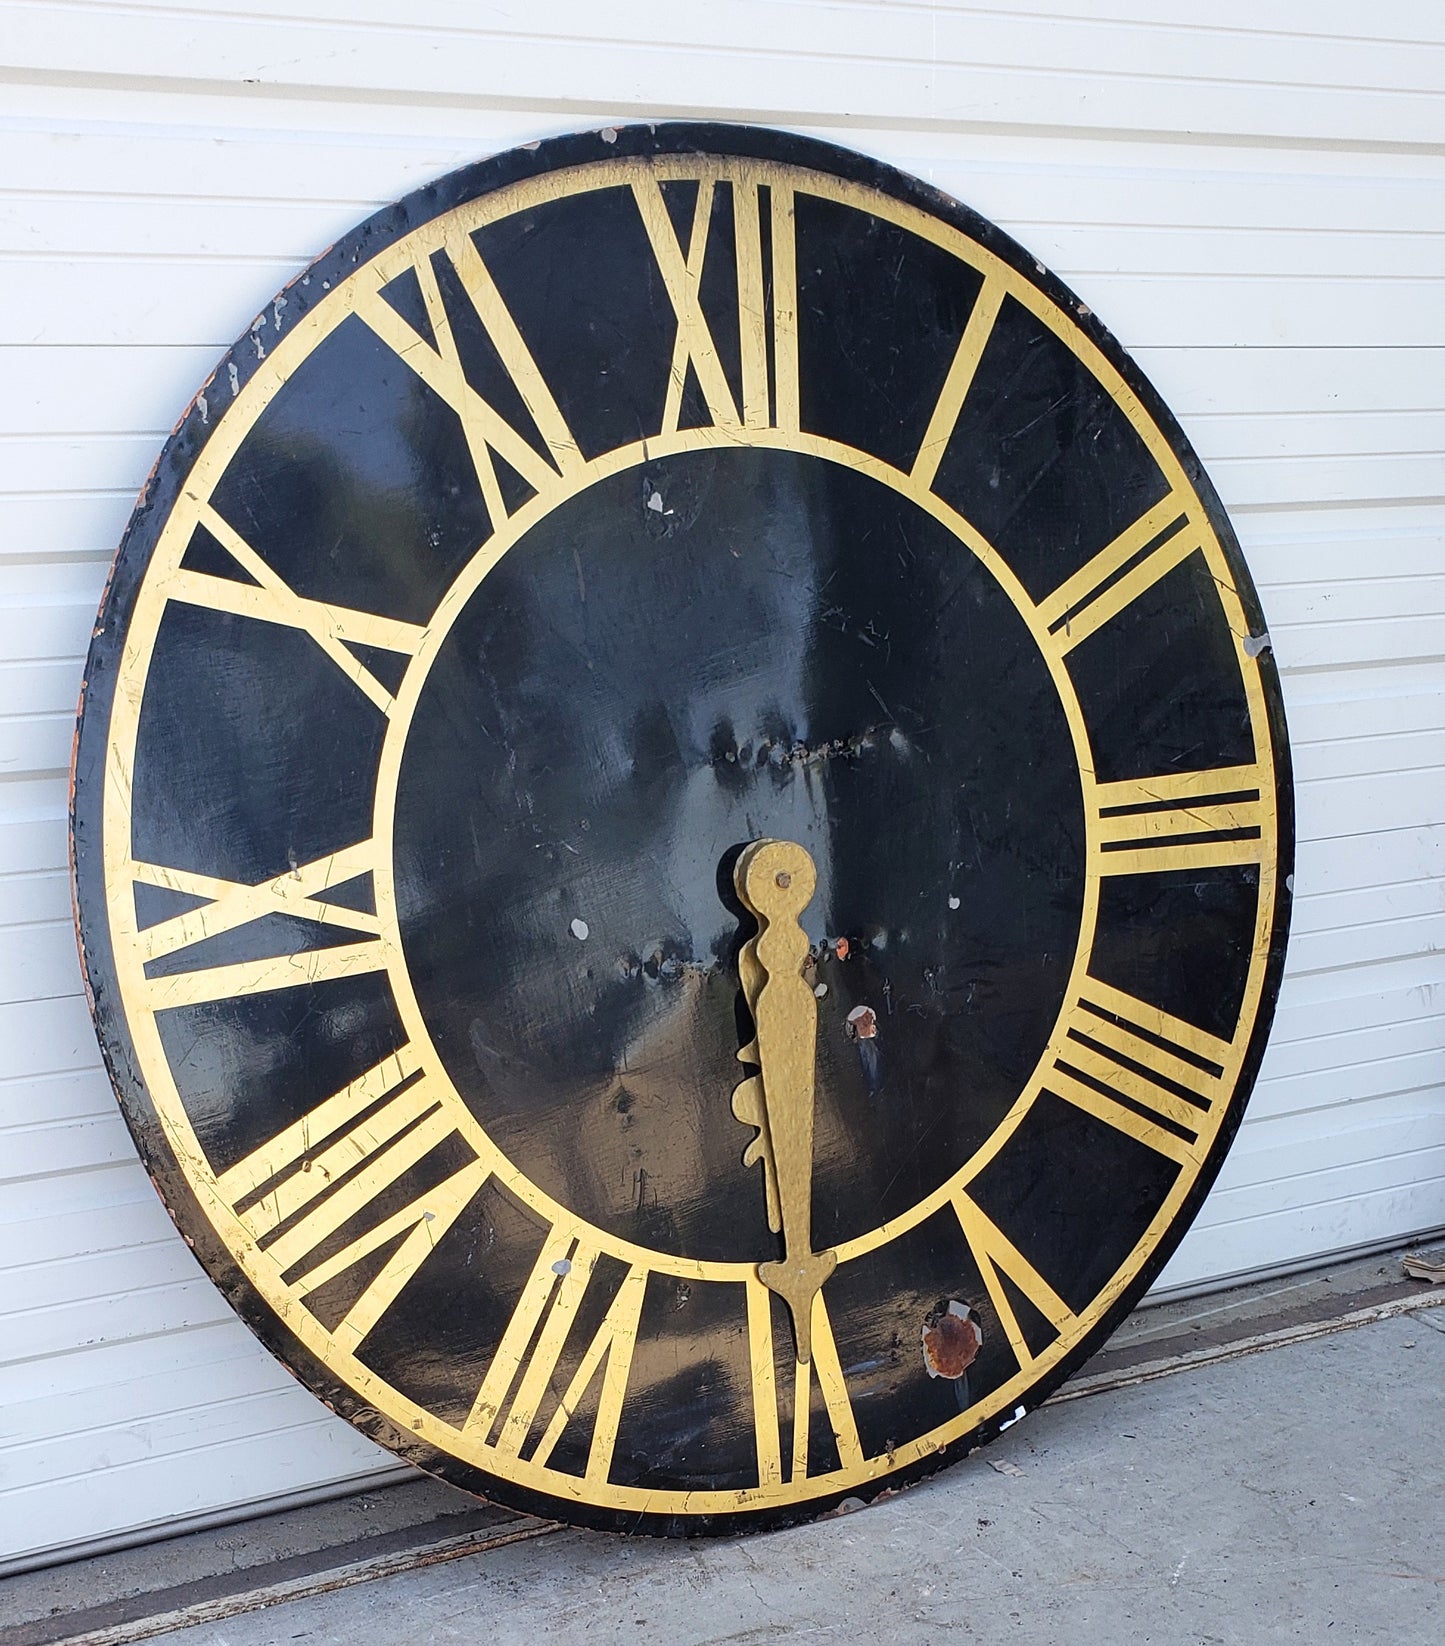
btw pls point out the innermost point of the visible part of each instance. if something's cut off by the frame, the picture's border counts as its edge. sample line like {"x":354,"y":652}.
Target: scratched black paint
{"x":803,"y":655}
{"x":695,"y":652}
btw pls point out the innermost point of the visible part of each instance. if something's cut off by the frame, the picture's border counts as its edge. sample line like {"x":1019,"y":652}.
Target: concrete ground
{"x":1292,"y":1494}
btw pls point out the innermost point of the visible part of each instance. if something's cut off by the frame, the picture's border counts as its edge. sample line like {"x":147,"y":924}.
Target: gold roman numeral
{"x":1137,"y":558}
{"x":766,"y":1427}
{"x":270,"y":599}
{"x":439,"y":365}
{"x":1141,"y":1070}
{"x":997,"y":1255}
{"x":1181,"y":820}
{"x":524,"y":1367}
{"x":294,"y":1192}
{"x":234,"y":904}
{"x":824,"y":1366}
{"x":958,"y":382}
{"x":759,"y":321}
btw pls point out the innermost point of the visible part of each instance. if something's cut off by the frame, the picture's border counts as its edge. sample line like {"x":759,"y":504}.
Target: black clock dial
{"x":771,"y":665}
{"x":681,"y":819}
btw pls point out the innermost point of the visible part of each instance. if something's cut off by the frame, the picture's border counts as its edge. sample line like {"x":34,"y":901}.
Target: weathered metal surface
{"x":591,"y":514}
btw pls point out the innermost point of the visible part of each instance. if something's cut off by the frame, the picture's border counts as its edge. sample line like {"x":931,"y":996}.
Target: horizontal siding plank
{"x":52,"y":1148}
{"x":1332,"y":807}
{"x":26,"y":899}
{"x":89,"y":1373}
{"x":1342,"y":1082}
{"x":1422,"y":1170}
{"x":79,"y":1095}
{"x":51,"y":1439}
{"x":43,"y":1287}
{"x":103,"y":390}
{"x":1048,"y":34}
{"x":1349,"y":642}
{"x":39,"y":962}
{"x":64,"y":1328}
{"x":1268,"y":380}
{"x":941,"y":66}
{"x":70,"y":1234}
{"x":1320,"y":1004}
{"x":31,"y":843}
{"x":1344,"y":726}
{"x":1378,"y":860}
{"x":63,"y":471}
{"x":1340,"y":1220}
{"x":46,"y":1037}
{"x":312,"y":1451}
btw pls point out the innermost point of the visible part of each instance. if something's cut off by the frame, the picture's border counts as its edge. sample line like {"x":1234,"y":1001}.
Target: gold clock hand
{"x":776,"y":879}
{"x":749,"y":1104}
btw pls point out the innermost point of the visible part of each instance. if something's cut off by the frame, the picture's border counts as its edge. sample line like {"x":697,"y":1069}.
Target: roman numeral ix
{"x":231,"y":904}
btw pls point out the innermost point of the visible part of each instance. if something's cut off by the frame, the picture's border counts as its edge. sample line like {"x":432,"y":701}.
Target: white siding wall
{"x":1251,"y":193}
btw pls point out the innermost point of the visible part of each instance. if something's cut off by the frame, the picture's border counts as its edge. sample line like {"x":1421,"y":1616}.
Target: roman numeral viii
{"x":524,"y":1368}
{"x":764,"y":325}
{"x":295,"y":1193}
{"x":231,"y":904}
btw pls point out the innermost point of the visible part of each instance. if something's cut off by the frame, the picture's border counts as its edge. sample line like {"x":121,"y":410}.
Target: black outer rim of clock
{"x":132,"y":558}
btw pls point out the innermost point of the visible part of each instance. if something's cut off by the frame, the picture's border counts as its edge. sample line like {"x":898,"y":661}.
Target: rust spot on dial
{"x":952,"y":1338}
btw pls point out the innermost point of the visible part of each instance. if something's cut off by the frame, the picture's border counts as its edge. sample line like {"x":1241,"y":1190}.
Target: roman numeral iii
{"x":1181,"y":820}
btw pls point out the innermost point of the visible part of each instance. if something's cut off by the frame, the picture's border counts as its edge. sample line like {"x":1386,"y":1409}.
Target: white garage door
{"x":1252,"y":194}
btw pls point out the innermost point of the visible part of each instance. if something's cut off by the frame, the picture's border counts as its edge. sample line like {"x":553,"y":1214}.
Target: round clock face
{"x":680,"y":825}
